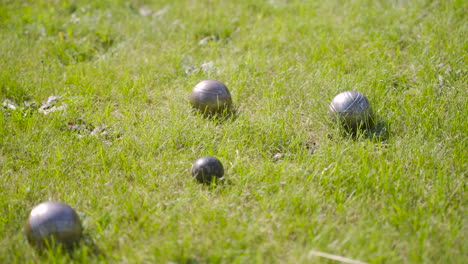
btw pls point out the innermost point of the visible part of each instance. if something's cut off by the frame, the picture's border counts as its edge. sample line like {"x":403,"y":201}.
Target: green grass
{"x":398,"y":198}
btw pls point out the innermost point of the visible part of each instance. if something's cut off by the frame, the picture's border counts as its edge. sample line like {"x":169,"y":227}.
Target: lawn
{"x":117,"y":138}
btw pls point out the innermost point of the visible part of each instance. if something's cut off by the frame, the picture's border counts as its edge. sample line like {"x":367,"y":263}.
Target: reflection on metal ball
{"x":206,"y":169}
{"x":211,"y":97}
{"x":352,"y":109}
{"x":53,"y":223}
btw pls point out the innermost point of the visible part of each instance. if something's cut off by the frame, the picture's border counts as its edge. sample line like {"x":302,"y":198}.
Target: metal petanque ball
{"x":53,"y":223}
{"x":211,"y":97}
{"x":352,"y":109}
{"x":206,"y":169}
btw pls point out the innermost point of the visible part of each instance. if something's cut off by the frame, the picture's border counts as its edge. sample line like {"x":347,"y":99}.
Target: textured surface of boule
{"x":211,"y":97}
{"x":53,"y":223}
{"x":206,"y":169}
{"x":352,"y":109}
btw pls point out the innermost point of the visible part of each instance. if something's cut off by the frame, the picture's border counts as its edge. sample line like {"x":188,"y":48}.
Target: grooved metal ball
{"x":52,"y":223}
{"x":352,"y":109}
{"x":211,"y":97}
{"x":206,"y":169}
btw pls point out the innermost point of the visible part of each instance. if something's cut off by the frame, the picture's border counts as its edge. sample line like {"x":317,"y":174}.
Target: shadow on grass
{"x":185,"y":261}
{"x":217,"y":183}
{"x":89,"y":242}
{"x":85,"y":248}
{"x":218,"y":118}
{"x":377,"y":132}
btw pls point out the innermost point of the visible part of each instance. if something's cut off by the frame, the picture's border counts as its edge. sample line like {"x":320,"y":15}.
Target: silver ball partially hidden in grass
{"x":207,"y":169}
{"x":211,"y":97}
{"x":53,"y":223}
{"x":352,"y":109}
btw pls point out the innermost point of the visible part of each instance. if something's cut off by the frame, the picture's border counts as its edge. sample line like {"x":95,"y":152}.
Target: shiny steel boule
{"x":211,"y":97}
{"x":352,"y":109}
{"x":206,"y":169}
{"x":53,"y":223}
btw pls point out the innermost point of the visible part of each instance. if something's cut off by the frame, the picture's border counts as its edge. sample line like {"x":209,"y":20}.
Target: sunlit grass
{"x":295,"y":182}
